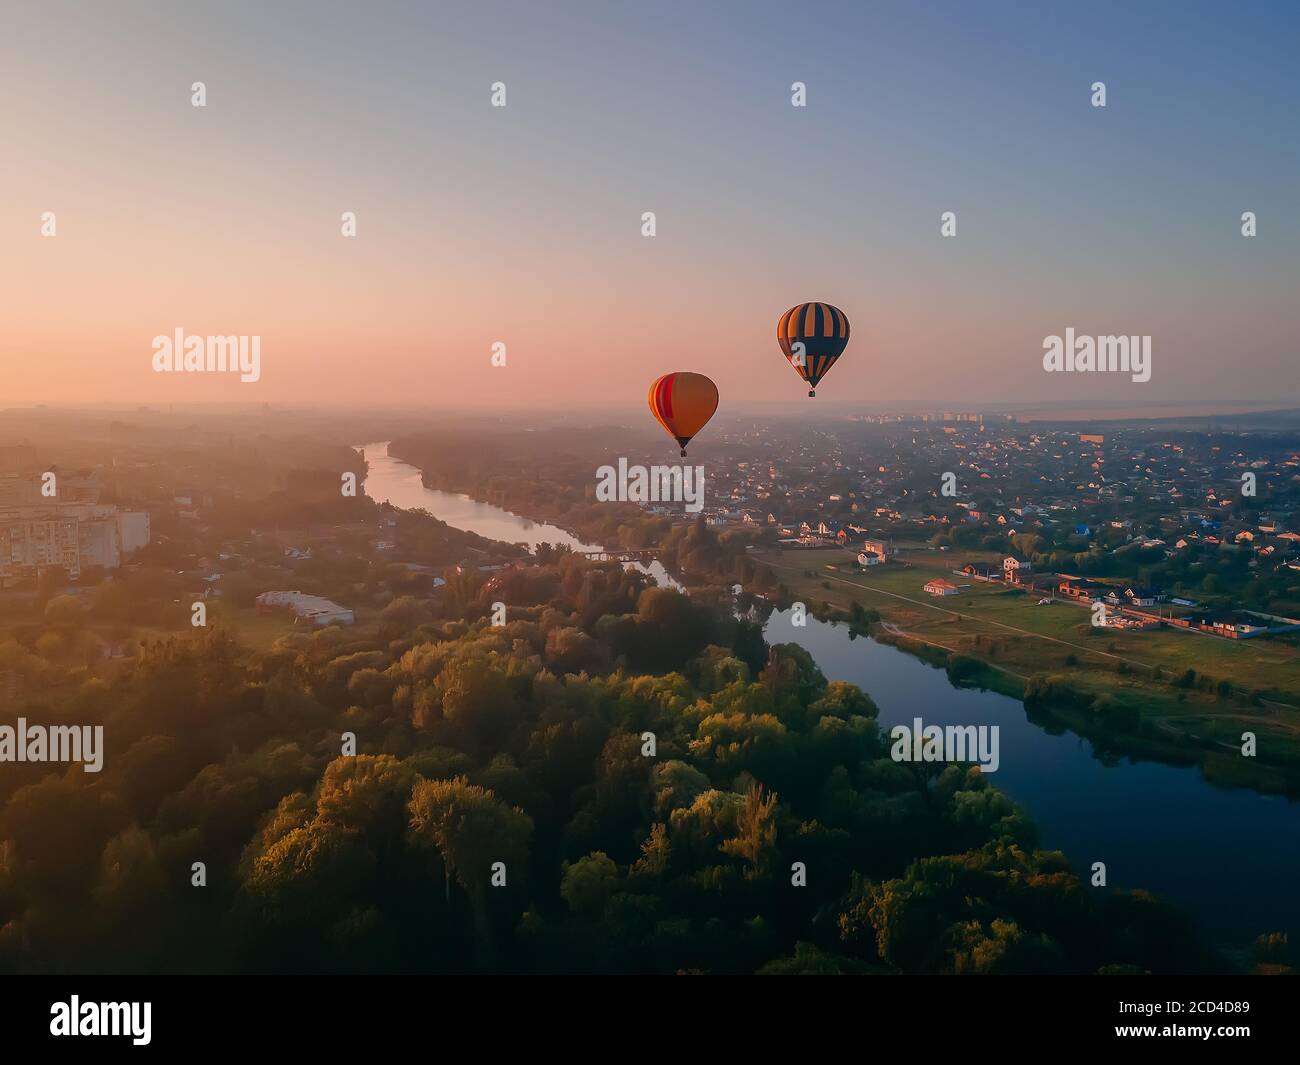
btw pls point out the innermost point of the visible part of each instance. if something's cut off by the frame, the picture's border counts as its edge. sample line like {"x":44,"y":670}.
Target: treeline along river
{"x":1229,"y":856}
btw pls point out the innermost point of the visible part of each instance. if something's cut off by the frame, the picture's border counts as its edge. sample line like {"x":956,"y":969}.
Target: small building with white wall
{"x":312,"y":609}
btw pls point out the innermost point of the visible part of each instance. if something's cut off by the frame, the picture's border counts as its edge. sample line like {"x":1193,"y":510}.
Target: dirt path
{"x":894,"y":630}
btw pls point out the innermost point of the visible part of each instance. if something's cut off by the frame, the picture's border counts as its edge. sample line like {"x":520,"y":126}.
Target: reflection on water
{"x":390,"y":480}
{"x":658,"y":573}
{"x":1227,"y":856}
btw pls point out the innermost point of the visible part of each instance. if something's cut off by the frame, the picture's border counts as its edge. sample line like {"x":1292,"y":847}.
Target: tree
{"x":402,"y":615}
{"x":476,"y":697}
{"x":307,"y":878}
{"x":65,"y":612}
{"x":1003,"y":947}
{"x":749,"y":645}
{"x":670,"y":629}
{"x":471,"y":831}
{"x":755,"y":838}
{"x":570,"y":650}
{"x":843,"y":700}
{"x":133,"y":897}
{"x":677,"y":784}
{"x":905,"y":915}
{"x":366,"y":794}
{"x":655,"y":851}
{"x":588,"y":882}
{"x":811,"y":960}
{"x":50,"y":644}
{"x":1028,"y":544}
{"x":793,"y":679}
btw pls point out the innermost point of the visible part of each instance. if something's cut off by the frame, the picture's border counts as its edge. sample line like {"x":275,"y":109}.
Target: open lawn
{"x":998,"y":615}
{"x":1009,"y":631}
{"x":260,"y":631}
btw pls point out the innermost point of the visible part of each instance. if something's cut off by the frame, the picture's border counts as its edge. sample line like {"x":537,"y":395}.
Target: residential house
{"x":1081,"y":588}
{"x":884,"y":548}
{"x":1013,"y":569}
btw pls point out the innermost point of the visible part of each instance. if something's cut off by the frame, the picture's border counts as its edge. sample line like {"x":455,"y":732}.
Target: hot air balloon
{"x":823,"y":331}
{"x":683,"y":403}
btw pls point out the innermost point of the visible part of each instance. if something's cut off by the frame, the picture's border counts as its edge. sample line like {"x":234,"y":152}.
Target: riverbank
{"x":528,"y":495}
{"x":1157,"y":822}
{"x":401,"y":483}
{"x":1103,"y":685}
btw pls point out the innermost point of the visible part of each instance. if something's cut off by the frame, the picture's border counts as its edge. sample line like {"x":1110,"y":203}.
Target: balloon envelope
{"x":683,"y":403}
{"x":823,"y":331}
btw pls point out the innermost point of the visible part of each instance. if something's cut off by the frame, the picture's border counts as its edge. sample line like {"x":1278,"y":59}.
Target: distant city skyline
{"x":523,"y":224}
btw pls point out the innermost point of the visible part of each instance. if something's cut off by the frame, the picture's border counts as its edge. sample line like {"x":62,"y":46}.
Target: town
{"x":1185,"y":528}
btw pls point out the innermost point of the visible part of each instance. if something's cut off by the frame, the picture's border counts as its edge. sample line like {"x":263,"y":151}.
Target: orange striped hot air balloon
{"x":683,"y":403}
{"x":823,"y":333}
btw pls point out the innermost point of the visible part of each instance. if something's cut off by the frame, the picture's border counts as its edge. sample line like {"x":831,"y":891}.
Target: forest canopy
{"x":618,"y":779}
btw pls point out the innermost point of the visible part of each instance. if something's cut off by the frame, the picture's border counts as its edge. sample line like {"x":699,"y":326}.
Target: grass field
{"x":1010,"y":632}
{"x":998,"y":613}
{"x":87,"y":657}
{"x":260,"y":631}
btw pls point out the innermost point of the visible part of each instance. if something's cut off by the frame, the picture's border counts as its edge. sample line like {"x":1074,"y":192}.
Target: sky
{"x":523,"y":224}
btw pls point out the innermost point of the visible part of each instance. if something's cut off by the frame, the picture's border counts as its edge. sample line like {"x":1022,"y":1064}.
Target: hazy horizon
{"x":601,"y":408}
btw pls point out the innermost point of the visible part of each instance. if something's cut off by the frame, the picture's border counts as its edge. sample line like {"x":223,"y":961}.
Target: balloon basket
{"x":812,"y":393}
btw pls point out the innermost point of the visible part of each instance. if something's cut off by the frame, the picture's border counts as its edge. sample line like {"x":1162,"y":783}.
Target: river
{"x":1229,"y":856}
{"x":390,"y":480}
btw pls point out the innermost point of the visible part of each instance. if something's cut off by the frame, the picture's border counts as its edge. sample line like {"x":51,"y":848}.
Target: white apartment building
{"x":70,"y":529}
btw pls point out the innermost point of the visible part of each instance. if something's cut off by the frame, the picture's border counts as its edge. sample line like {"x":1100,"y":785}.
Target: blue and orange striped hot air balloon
{"x":823,"y":332}
{"x":683,"y":403}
